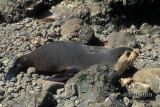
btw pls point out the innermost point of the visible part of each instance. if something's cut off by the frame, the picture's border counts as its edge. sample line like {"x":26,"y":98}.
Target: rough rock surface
{"x":112,"y":101}
{"x":152,"y":75}
{"x":120,"y":39}
{"x":74,"y":30}
{"x":90,"y":86}
{"x":15,"y":10}
{"x":50,"y":86}
{"x":33,"y":100}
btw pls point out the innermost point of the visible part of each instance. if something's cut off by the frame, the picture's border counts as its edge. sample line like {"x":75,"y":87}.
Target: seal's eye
{"x":128,"y":54}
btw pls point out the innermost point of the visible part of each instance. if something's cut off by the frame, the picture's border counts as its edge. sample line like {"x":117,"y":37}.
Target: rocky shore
{"x":86,"y":22}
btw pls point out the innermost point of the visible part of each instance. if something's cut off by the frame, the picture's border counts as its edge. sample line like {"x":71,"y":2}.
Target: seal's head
{"x":125,"y":60}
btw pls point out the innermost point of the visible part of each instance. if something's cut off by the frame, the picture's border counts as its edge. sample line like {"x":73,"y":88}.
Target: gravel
{"x":21,"y":38}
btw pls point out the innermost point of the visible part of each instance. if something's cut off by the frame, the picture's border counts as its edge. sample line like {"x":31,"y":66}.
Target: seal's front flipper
{"x":66,"y":75}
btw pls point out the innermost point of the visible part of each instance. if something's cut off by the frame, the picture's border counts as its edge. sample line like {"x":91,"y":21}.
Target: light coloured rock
{"x":127,"y":101}
{"x":10,"y":90}
{"x":6,"y":62}
{"x":59,"y":91}
{"x":74,"y":30}
{"x":19,"y":76}
{"x":31,"y":70}
{"x":26,"y":79}
{"x":157,"y":41}
{"x":154,"y":36}
{"x":139,"y":91}
{"x":138,"y":104}
{"x":18,"y":88}
{"x":145,"y":40}
{"x":1,"y":75}
{"x":1,"y":35}
{"x":73,"y":98}
{"x":2,"y":83}
{"x":36,"y":42}
{"x":150,"y":76}
{"x":34,"y":83}
{"x":120,"y":39}
{"x":145,"y":27}
{"x":50,"y":86}
{"x":69,"y":104}
{"x":19,"y":54}
{"x":70,"y":90}
{"x":22,"y":38}
{"x":35,"y":76}
{"x":77,"y":102}
{"x":155,"y":104}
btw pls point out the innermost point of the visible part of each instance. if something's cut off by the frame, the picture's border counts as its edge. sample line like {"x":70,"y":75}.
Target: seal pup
{"x":64,"y":59}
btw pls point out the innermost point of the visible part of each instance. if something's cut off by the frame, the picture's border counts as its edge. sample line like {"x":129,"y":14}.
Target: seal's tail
{"x":11,"y":73}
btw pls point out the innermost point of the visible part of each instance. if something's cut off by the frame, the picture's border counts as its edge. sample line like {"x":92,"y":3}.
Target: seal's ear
{"x":13,"y":72}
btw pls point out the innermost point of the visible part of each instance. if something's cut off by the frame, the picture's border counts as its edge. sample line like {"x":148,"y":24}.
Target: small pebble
{"x":34,"y":83}
{"x":10,"y":97}
{"x":16,"y":95}
{"x":73,"y":98}
{"x":2,"y":92}
{"x":1,"y":75}
{"x":1,"y":99}
{"x":26,"y":79}
{"x":59,"y":91}
{"x":35,"y":76}
{"x":19,"y":76}
{"x":31,"y":70}
{"x":42,"y":76}
{"x":29,"y":75}
{"x":6,"y":62}
{"x":69,"y":103}
{"x":10,"y":90}
{"x":14,"y":79}
{"x":2,"y":83}
{"x":1,"y":63}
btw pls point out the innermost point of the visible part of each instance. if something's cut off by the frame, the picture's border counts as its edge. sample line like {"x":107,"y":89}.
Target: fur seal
{"x":64,"y":59}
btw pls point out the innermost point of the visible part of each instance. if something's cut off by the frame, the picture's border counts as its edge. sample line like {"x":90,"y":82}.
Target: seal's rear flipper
{"x":66,"y":75}
{"x":57,"y":79}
